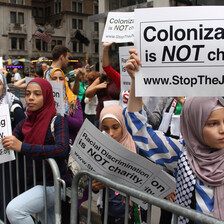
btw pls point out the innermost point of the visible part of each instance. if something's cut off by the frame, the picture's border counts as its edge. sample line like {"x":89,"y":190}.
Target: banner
{"x":5,"y":130}
{"x":119,"y":27}
{"x":100,"y":153}
{"x":181,"y":50}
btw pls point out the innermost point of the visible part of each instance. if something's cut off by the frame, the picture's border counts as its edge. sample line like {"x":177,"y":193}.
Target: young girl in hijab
{"x":33,"y":138}
{"x":112,"y":122}
{"x":73,"y":108}
{"x":196,"y":161}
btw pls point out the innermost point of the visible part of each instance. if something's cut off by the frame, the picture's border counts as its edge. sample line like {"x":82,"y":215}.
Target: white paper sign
{"x":123,"y":57}
{"x":57,"y":94}
{"x":119,"y":27}
{"x":1,"y":63}
{"x":181,"y":50}
{"x":5,"y":130}
{"x":102,"y":154}
{"x":58,"y":97}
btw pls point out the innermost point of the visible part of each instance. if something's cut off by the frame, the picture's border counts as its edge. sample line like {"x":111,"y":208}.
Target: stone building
{"x":20,"y":19}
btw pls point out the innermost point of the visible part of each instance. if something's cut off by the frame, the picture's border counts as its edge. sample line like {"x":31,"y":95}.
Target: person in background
{"x":17,"y":77}
{"x":73,"y":109}
{"x":37,"y":73}
{"x":44,"y":67}
{"x":91,"y":103}
{"x":33,"y":138}
{"x":60,"y":56}
{"x":105,"y":89}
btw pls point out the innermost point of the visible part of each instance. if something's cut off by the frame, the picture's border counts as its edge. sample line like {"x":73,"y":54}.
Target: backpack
{"x":73,"y":166}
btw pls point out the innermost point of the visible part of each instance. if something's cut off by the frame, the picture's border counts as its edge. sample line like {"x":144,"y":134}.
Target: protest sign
{"x":1,"y":63}
{"x":5,"y":130}
{"x":57,"y":94}
{"x":181,"y":51}
{"x":123,"y":57}
{"x":119,"y":27}
{"x":100,"y":153}
{"x":58,"y":97}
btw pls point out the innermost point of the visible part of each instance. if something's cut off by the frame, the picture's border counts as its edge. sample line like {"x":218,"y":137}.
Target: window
{"x":74,"y":46}
{"x":58,"y":23}
{"x":14,"y":43}
{"x":44,"y":44}
{"x":74,"y":8}
{"x":20,"y":2}
{"x":74,"y":24}
{"x":48,"y":11}
{"x":57,"y":6}
{"x":96,"y":48}
{"x":59,"y":42}
{"x":96,"y":27}
{"x":53,"y":43}
{"x":13,"y":17}
{"x":80,"y":47}
{"x":96,"y":10}
{"x":80,"y":7}
{"x":80,"y":24}
{"x":21,"y":18}
{"x":34,"y":11}
{"x":21,"y":44}
{"x":13,"y":1}
{"x":40,"y":12}
{"x":38,"y":44}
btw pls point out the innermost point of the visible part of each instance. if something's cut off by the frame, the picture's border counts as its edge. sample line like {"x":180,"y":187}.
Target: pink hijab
{"x":115,"y":111}
{"x":206,"y":162}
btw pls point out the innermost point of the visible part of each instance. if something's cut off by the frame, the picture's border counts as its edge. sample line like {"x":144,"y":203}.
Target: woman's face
{"x":113,"y":128}
{"x":1,"y":87}
{"x":58,"y":77}
{"x":213,"y":131}
{"x":34,"y":97}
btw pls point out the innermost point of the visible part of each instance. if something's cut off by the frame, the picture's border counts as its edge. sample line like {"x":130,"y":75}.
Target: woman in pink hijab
{"x":112,"y":122}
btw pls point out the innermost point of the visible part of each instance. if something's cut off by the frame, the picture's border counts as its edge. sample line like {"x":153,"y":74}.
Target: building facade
{"x":20,"y":19}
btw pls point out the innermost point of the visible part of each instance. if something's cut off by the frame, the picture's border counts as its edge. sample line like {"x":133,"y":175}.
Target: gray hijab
{"x":206,"y":162}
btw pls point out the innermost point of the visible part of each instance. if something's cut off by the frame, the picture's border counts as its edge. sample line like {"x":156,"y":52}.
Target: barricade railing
{"x":11,"y":177}
{"x":128,"y":192}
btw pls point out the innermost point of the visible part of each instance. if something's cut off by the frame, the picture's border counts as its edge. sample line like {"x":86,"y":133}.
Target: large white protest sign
{"x":102,"y":154}
{"x":123,"y":57}
{"x":119,"y":27}
{"x":5,"y":130}
{"x":57,"y":94}
{"x":181,"y":50}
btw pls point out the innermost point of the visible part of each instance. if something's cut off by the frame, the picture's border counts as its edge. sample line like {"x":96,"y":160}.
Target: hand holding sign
{"x":11,"y":142}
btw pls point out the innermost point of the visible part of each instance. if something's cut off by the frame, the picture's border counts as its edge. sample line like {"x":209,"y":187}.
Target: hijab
{"x":37,"y":122}
{"x":115,"y":112}
{"x":6,"y":97}
{"x":206,"y":162}
{"x":69,"y":96}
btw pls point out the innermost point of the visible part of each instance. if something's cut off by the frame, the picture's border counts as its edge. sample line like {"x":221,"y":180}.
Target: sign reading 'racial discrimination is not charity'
{"x":100,"y":153}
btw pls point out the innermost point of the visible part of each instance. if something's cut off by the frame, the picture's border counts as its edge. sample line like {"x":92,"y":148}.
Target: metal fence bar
{"x":150,"y":199}
{"x":57,"y":185}
{"x":89,"y":202}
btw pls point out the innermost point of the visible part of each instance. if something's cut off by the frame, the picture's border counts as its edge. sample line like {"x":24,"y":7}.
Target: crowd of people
{"x":192,"y":154}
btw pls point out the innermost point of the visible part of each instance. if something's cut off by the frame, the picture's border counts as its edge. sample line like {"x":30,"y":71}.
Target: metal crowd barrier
{"x":176,"y":209}
{"x":60,"y":190}
{"x":11,"y":178}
